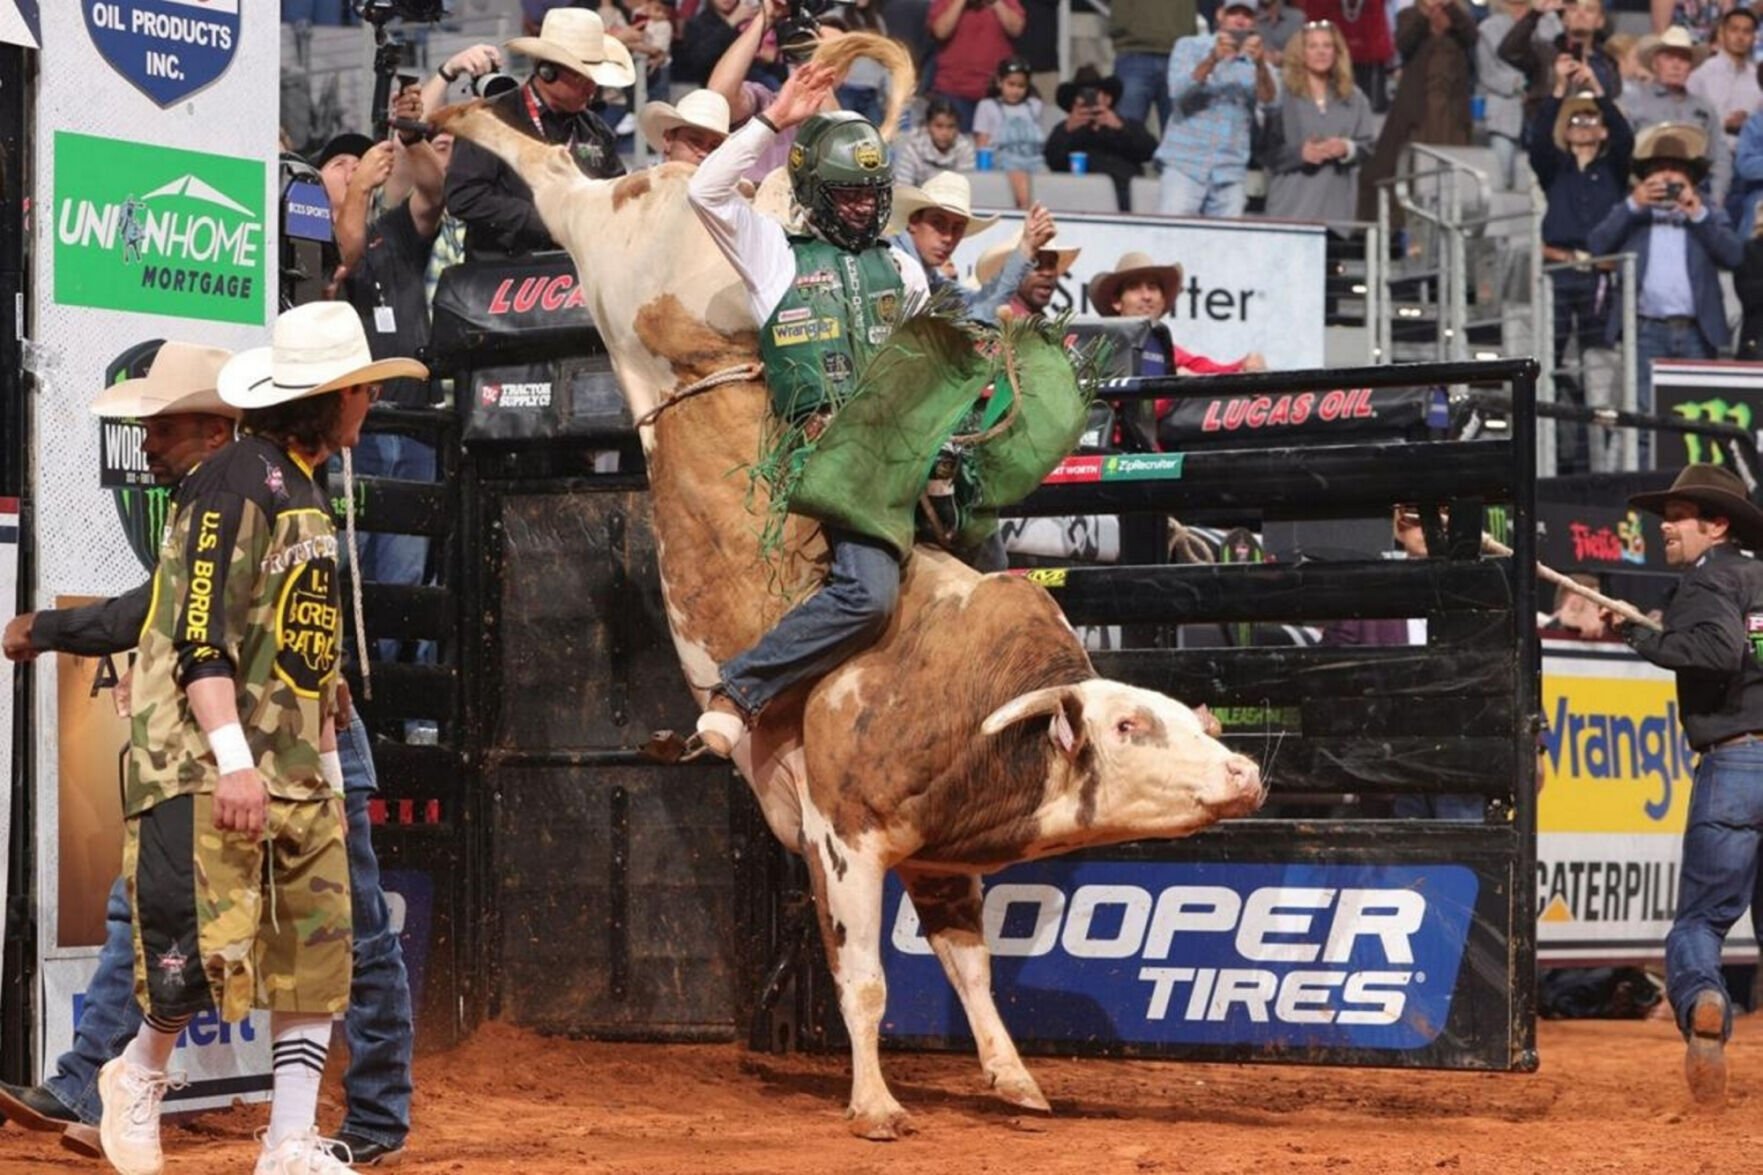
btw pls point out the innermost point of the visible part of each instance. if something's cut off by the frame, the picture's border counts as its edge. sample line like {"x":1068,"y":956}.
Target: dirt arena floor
{"x":1609,"y":1097}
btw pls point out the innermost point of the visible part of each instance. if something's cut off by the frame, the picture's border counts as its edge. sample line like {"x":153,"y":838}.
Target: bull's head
{"x":1157,"y":769}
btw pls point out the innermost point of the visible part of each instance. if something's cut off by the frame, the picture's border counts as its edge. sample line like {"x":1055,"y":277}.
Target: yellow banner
{"x":1614,"y":759}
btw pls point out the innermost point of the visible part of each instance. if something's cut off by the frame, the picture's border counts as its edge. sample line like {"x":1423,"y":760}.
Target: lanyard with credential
{"x":532,"y":112}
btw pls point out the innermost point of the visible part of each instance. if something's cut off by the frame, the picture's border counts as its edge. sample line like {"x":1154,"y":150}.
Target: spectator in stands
{"x":1278,"y":24}
{"x":1668,"y":99}
{"x":930,"y":221}
{"x":574,"y":57}
{"x":709,"y":35}
{"x":1623,"y":49}
{"x":1501,"y":86}
{"x":1009,"y":122}
{"x":1114,"y":147}
{"x":1321,"y":132}
{"x":1144,"y":31}
{"x":1436,"y":39}
{"x":732,"y":79}
{"x":645,"y":28}
{"x":1138,"y":287}
{"x":1699,"y":18}
{"x":973,"y":39}
{"x":687,"y":133}
{"x":1035,"y":291}
{"x":866,"y":82}
{"x":1367,"y":28}
{"x":1217,"y":84}
{"x":1038,"y":43}
{"x":1727,"y":81}
{"x":1550,"y":29}
{"x":1580,"y":149}
{"x":1747,"y":282}
{"x":938,"y":145}
{"x":1681,"y":243}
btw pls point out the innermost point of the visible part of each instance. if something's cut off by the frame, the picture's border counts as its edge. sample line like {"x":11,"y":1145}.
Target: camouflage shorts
{"x":229,"y":923}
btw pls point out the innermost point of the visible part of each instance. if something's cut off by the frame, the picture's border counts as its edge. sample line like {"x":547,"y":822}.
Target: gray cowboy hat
{"x":1716,"y":490}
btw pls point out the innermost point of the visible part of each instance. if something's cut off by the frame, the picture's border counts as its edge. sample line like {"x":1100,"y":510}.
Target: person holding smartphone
{"x":1116,"y":147}
{"x":1670,"y":59}
{"x":1219,"y":84}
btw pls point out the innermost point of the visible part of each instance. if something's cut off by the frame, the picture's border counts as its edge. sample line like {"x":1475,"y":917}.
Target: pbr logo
{"x":167,"y":49}
{"x":1183,"y":953}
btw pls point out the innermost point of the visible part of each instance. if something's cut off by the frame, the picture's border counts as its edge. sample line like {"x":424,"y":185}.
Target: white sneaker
{"x":302,"y":1154}
{"x":129,"y":1129}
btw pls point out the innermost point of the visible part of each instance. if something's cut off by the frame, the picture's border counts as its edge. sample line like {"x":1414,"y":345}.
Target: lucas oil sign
{"x":159,"y":231}
{"x":167,"y":49}
{"x":1148,"y":953}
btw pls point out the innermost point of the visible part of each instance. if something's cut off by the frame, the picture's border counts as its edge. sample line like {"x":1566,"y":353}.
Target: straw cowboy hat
{"x":1718,"y":491}
{"x":576,"y":39}
{"x":1580,"y":103}
{"x":947,"y":190}
{"x":992,"y":260}
{"x":1672,"y":142}
{"x":705,"y":109}
{"x":316,"y":348}
{"x":1106,"y":287}
{"x":1676,"y":38}
{"x":184,"y":377}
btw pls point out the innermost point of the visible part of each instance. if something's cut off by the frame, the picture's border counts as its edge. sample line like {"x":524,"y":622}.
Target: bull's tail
{"x":536,"y":162}
{"x":840,"y":52}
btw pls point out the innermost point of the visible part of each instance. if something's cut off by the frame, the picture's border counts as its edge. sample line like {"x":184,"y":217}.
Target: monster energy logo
{"x":1715,"y":411}
{"x":144,"y":513}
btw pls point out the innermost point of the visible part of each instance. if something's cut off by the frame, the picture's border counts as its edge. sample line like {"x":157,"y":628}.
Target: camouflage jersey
{"x":246,"y":589}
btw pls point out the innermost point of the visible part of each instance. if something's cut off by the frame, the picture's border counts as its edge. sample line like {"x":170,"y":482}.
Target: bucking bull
{"x":973,"y":734}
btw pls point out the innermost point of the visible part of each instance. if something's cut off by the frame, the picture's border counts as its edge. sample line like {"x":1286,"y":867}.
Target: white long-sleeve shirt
{"x":755,"y":244}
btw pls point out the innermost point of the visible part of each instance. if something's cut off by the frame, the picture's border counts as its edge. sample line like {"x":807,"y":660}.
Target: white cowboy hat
{"x":316,"y":348}
{"x":1105,"y":287}
{"x":1676,"y":37}
{"x":704,"y":109}
{"x":576,"y":39}
{"x":184,"y":377}
{"x":947,"y":190}
{"x":992,"y":260}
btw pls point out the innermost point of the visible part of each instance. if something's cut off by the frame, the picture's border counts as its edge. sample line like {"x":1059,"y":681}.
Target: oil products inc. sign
{"x":159,"y":231}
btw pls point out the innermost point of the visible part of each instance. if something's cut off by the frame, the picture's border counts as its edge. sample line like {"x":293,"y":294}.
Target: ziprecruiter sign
{"x":159,"y":231}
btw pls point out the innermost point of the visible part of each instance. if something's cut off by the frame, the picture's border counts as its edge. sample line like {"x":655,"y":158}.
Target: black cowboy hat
{"x":1087,"y":77}
{"x":1718,"y":491}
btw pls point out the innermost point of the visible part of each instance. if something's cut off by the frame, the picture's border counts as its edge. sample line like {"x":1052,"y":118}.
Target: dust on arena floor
{"x":1609,"y":1097}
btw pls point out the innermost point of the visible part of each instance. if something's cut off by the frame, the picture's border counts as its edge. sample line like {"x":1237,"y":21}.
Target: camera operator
{"x":476,"y":62}
{"x":574,"y":58}
{"x":1681,"y":244}
{"x":1116,"y":148}
{"x":747,"y":97}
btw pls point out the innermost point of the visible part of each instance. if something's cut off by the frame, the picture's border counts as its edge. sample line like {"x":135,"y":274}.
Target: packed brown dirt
{"x":1610,"y":1097}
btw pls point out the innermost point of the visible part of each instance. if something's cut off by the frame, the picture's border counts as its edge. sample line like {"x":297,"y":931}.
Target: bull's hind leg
{"x":848,"y":896}
{"x":950,"y":909}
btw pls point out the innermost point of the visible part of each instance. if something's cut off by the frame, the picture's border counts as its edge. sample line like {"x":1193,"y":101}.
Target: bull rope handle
{"x":1622,"y":608}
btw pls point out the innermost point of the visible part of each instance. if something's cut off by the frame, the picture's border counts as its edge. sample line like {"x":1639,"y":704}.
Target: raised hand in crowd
{"x":1037,"y":229}
{"x":803,"y":94}
{"x":472,"y":62}
{"x":1573,"y":75}
{"x":1656,"y":192}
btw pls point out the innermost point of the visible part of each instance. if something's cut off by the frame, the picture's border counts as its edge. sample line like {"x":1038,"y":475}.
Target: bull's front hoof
{"x":1019,"y":1089}
{"x":885,"y":1125}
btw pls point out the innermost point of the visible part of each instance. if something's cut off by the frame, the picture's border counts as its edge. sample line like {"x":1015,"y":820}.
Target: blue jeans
{"x":1144,"y":83}
{"x":1719,"y":875}
{"x":377,"y":1026}
{"x":394,"y":558}
{"x":1182,"y":196}
{"x":1446,"y":807}
{"x":849,"y":612}
{"x":1661,"y":338}
{"x":865,"y":100}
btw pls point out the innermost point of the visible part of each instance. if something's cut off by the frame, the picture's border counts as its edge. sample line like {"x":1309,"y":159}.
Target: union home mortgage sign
{"x":167,"y":49}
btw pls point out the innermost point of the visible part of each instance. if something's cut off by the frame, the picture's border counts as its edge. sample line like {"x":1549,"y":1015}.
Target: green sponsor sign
{"x":1141,"y":467}
{"x":159,"y":231}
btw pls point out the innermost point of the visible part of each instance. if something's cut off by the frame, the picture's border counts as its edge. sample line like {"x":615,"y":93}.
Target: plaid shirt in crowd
{"x":1210,"y":122}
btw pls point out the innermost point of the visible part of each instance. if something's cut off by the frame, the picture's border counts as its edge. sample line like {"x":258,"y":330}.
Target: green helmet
{"x":842,"y":153}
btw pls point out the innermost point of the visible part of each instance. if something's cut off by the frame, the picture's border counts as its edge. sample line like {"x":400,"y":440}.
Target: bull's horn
{"x":1030,"y":705}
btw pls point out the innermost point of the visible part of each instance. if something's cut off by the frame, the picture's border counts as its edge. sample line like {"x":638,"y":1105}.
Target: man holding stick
{"x":1713,"y":640}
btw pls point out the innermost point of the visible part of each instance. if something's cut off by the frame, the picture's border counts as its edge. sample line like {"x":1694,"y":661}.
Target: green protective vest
{"x":840,"y":308}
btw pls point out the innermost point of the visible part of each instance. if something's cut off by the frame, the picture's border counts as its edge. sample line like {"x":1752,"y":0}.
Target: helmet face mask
{"x":842,"y":154}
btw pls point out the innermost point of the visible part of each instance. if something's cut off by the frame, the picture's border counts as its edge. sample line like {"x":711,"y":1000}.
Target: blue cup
{"x":1080,"y":163}
{"x":982,"y":158}
{"x":1478,"y":107}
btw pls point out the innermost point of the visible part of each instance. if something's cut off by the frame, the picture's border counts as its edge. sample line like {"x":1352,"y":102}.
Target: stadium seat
{"x":991,"y":189}
{"x":1062,"y":192}
{"x":1146,"y":192}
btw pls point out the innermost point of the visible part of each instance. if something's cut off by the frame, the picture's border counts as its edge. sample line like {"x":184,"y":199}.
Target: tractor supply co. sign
{"x":159,"y":231}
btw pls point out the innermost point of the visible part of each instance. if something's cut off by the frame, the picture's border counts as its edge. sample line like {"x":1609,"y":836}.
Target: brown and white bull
{"x":973,"y":734}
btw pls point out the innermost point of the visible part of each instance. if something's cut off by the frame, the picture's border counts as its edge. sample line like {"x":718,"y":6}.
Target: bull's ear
{"x":1208,"y":721}
{"x":1067,"y":730}
{"x":1031,"y":705}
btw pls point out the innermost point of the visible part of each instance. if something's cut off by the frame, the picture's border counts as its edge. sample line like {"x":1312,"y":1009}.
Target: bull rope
{"x":1621,"y":607}
{"x":743,"y":373}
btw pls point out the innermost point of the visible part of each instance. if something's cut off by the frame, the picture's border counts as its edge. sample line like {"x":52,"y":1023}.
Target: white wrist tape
{"x":330,"y":765}
{"x":231,"y":751}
